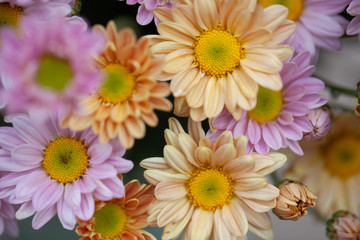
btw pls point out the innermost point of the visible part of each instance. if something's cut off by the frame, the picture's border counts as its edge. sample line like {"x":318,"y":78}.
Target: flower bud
{"x":293,"y":200}
{"x":320,"y":121}
{"x":343,"y":226}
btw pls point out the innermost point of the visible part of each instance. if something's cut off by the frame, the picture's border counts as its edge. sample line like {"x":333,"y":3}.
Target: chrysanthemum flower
{"x":318,"y":23}
{"x":49,"y":170}
{"x":320,"y":121}
{"x":12,"y":11}
{"x":55,"y":69}
{"x":8,"y":222}
{"x":354,"y":25}
{"x":145,"y":11}
{"x":343,"y":226}
{"x":280,"y":117}
{"x":331,"y":167}
{"x":294,"y":200}
{"x":129,"y":94}
{"x":212,"y":190}
{"x":218,"y":53}
{"x":120,"y":219}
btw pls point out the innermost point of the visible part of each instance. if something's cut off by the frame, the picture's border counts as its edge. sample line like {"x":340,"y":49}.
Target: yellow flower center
{"x":342,"y":157}
{"x":268,"y":106}
{"x":111,"y":221}
{"x":296,"y":7}
{"x":54,"y":73}
{"x":10,"y":15}
{"x":210,"y":188}
{"x":118,"y":86}
{"x":217,"y":51}
{"x":65,"y":159}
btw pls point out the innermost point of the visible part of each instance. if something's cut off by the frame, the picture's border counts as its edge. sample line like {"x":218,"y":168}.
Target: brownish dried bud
{"x":343,"y":226}
{"x":293,"y":200}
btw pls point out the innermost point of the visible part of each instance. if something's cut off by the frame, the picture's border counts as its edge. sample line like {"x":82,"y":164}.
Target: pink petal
{"x":72,"y":195}
{"x":101,"y":171}
{"x":144,"y":16}
{"x":47,"y":195}
{"x":99,"y":152}
{"x":66,"y":215}
{"x":271,"y":136}
{"x":42,"y":217}
{"x":87,"y":207}
{"x":28,"y":154}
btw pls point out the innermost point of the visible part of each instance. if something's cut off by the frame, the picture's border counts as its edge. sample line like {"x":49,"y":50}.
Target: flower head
{"x":331,"y":167}
{"x":354,"y":25}
{"x":55,"y":69}
{"x":49,"y":170}
{"x":318,"y":24}
{"x":128,"y":96}
{"x":12,"y":12}
{"x":121,"y":218}
{"x":145,"y":12}
{"x":343,"y":226}
{"x":279,"y":117}
{"x":215,"y":59}
{"x":293,"y":200}
{"x":212,"y":190}
{"x":320,"y":121}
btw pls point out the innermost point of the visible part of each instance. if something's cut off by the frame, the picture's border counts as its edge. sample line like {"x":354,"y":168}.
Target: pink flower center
{"x":10,"y":15}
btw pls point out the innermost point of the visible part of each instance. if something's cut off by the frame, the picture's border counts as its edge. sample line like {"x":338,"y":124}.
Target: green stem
{"x":335,"y":90}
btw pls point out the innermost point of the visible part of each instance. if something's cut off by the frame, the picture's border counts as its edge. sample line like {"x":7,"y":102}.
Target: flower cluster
{"x":76,"y":99}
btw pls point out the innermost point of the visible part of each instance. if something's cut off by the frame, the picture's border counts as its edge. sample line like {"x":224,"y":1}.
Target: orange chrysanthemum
{"x":219,"y":52}
{"x":128,"y":96}
{"x":120,"y":219}
{"x":210,"y":190}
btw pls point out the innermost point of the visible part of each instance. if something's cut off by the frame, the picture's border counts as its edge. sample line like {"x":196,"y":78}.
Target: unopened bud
{"x":293,"y":200}
{"x":343,"y":226}
{"x":320,"y":121}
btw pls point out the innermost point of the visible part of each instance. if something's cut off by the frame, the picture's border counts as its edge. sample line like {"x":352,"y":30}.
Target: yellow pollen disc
{"x":342,"y":157}
{"x":111,"y":221}
{"x":10,"y":15}
{"x":118,"y":86}
{"x":65,"y":159}
{"x":268,"y":106}
{"x":217,"y":51}
{"x":210,"y":188}
{"x":296,"y":7}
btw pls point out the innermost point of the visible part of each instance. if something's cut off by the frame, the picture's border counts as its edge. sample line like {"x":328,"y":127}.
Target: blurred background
{"x":336,"y":68}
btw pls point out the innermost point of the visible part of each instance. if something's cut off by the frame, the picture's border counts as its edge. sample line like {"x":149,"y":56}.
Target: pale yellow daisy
{"x":331,"y":167}
{"x":210,"y":190}
{"x":218,"y":52}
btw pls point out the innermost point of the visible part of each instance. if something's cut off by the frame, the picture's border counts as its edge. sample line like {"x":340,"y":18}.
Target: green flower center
{"x":10,"y":15}
{"x":118,"y":86}
{"x":111,"y":221}
{"x":54,"y":73}
{"x":65,"y":159}
{"x":342,"y":157}
{"x":296,"y":7}
{"x":268,"y":106}
{"x":210,"y":188}
{"x":217,"y":51}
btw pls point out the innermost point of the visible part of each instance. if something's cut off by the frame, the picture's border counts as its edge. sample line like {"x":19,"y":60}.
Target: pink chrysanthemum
{"x":279,"y":118}
{"x":8,"y":222}
{"x":56,"y":66}
{"x":13,"y":11}
{"x":145,"y":11}
{"x":354,"y":25}
{"x":49,"y":170}
{"x":318,"y":23}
